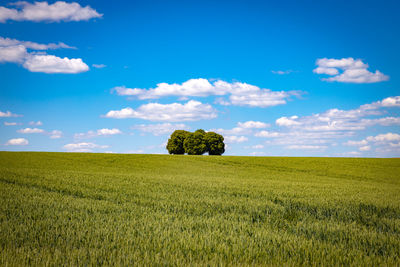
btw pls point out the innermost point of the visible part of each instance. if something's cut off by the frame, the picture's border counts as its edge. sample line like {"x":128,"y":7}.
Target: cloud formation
{"x":344,"y":120}
{"x":240,"y":94}
{"x":83,"y":147}
{"x":348,"y":70}
{"x":100,"y":132}
{"x":30,"y":130}
{"x":17,"y":142}
{"x":14,"y":51}
{"x":6,"y":42}
{"x":55,"y":134}
{"x":8,"y":114}
{"x":161,"y":128}
{"x":190,"y":111}
{"x":42,"y":11}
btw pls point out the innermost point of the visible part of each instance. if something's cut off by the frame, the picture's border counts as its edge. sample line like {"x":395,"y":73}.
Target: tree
{"x":195,"y":144}
{"x":175,"y":142}
{"x":215,"y":143}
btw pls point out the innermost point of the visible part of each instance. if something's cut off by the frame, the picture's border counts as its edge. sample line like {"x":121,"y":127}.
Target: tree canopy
{"x":196,"y":143}
{"x":175,"y":142}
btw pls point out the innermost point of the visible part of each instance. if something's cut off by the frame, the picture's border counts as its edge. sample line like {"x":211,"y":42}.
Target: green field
{"x":114,"y":209}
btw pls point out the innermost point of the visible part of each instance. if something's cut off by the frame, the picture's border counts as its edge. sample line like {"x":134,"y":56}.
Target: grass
{"x":110,"y":209}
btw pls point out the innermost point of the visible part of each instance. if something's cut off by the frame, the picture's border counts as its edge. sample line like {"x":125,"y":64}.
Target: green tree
{"x":175,"y":142}
{"x":215,"y":143}
{"x":195,"y":144}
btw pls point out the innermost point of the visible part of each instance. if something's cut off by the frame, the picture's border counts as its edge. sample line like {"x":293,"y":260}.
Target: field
{"x":87,"y":209}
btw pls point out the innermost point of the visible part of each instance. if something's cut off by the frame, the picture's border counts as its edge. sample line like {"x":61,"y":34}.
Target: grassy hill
{"x":71,"y":208}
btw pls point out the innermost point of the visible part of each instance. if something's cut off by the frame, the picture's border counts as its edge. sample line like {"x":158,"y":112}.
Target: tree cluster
{"x":196,"y":143}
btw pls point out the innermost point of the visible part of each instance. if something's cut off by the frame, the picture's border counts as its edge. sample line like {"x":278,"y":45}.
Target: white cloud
{"x":356,"y":143}
{"x":384,"y":137}
{"x":11,"y":123}
{"x":190,"y":111}
{"x":306,"y":147}
{"x":53,"y":64}
{"x":30,"y":130}
{"x":15,"y":51}
{"x":235,"y":139}
{"x":344,"y":120}
{"x":83,"y":147}
{"x":8,"y":114}
{"x":253,"y":124}
{"x":99,"y":66}
{"x":241,"y":94}
{"x":100,"y":132}
{"x":243,"y":128}
{"x":17,"y":142}
{"x":7,"y":42}
{"x":258,"y":146}
{"x":160,"y":129}
{"x":257,"y":153}
{"x":14,"y":54}
{"x":384,"y":143}
{"x":281,"y":72}
{"x":42,"y":11}
{"x":36,"y":123}
{"x":55,"y":134}
{"x":267,"y":134}
{"x":365,"y":148}
{"x":353,"y":71}
{"x":284,"y":121}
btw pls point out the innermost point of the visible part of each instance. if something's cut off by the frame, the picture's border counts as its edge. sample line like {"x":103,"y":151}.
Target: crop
{"x":115,"y":209}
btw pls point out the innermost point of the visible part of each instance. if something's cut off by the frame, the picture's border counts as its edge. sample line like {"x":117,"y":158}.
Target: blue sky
{"x":276,"y":78}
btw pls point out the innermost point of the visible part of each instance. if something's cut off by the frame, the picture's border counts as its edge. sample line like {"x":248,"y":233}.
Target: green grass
{"x":87,"y":209}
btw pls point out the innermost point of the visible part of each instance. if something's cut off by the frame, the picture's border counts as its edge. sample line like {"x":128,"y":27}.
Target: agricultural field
{"x":120,"y":209}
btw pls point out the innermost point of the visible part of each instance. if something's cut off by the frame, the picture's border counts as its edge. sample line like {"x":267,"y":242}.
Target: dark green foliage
{"x":195,"y":144}
{"x":215,"y":143}
{"x":175,"y":142}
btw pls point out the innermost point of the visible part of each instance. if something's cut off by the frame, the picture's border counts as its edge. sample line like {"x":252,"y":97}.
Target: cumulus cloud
{"x":17,"y":142}
{"x":14,"y":51}
{"x":253,"y":125}
{"x":344,"y":120}
{"x":161,"y":128}
{"x":240,"y":94}
{"x":30,"y":130}
{"x":352,"y":71}
{"x":284,"y":121}
{"x":8,"y":114}
{"x":267,"y":134}
{"x":55,"y":134}
{"x":42,"y":11}
{"x":190,"y":111}
{"x":389,"y":142}
{"x":83,"y":147}
{"x":14,"y":54}
{"x":235,"y":139}
{"x":99,"y":132}
{"x":53,"y":64}
{"x":242,"y":128}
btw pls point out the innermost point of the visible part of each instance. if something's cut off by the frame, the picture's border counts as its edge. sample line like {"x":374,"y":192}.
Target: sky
{"x":275,"y":78}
